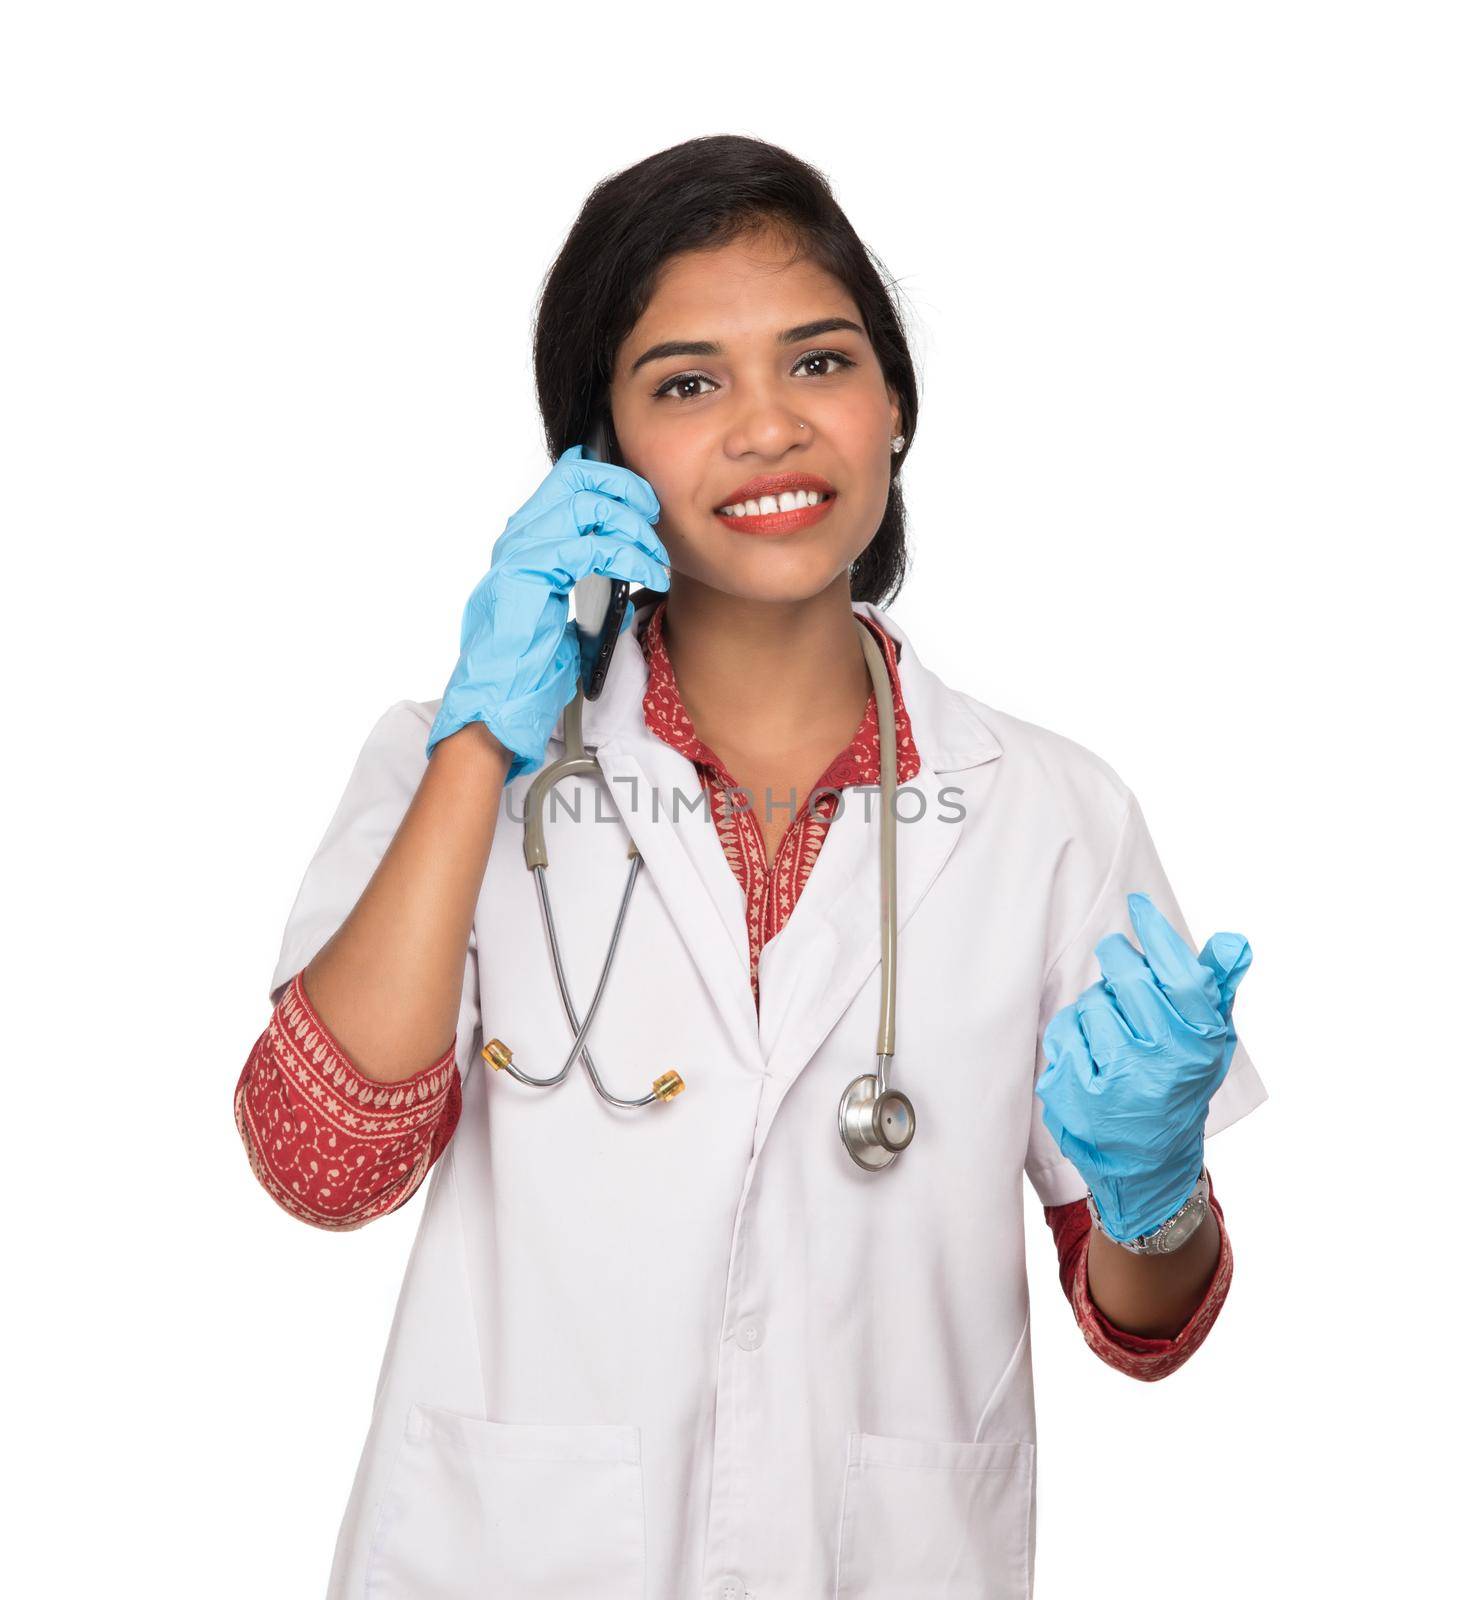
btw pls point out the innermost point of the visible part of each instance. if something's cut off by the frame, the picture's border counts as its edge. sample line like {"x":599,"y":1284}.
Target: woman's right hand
{"x":519,"y":661}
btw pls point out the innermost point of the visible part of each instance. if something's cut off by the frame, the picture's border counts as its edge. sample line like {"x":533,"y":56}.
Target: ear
{"x":896,"y":427}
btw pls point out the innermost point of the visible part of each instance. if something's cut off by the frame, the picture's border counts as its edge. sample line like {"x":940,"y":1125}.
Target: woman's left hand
{"x":1133,"y":1062}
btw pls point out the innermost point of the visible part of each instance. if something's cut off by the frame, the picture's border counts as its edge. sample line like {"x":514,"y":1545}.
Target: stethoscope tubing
{"x":867,"y":1105}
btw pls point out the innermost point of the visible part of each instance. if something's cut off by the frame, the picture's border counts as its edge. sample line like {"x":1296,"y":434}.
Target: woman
{"x":693,"y":1348}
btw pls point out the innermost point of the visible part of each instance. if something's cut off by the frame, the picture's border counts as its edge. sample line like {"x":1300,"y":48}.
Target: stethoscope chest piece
{"x":875,"y":1125}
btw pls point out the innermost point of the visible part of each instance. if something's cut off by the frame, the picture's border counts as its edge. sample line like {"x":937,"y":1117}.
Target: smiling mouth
{"x":771,"y":505}
{"x":787,"y":513}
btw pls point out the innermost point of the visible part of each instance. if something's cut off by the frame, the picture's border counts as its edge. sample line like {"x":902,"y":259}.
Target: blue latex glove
{"x":519,"y":662}
{"x":1133,"y":1062}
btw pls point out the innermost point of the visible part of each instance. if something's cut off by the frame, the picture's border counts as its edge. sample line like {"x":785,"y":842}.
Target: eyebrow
{"x":707,"y":347}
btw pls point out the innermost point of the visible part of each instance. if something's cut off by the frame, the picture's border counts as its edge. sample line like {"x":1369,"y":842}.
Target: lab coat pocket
{"x":528,"y":1510}
{"x":927,"y":1519}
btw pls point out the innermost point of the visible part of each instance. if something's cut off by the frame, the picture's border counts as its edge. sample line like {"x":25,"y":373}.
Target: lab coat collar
{"x":811,"y":970}
{"x":947,"y":731}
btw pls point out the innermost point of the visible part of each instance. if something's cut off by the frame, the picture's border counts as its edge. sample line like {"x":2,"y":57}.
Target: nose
{"x":769,"y":431}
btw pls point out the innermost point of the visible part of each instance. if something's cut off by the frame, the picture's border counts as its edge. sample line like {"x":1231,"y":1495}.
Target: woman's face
{"x":701,"y":425}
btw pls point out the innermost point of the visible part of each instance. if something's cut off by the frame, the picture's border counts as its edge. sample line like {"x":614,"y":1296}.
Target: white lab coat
{"x":693,"y":1349}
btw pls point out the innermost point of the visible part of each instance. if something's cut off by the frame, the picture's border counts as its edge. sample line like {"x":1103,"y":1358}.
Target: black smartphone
{"x":599,"y":602}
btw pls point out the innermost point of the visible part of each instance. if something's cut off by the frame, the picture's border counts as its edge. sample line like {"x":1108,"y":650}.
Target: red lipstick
{"x":774,"y":484}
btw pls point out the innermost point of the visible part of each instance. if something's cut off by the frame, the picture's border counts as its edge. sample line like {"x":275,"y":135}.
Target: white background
{"x":1184,"y":286}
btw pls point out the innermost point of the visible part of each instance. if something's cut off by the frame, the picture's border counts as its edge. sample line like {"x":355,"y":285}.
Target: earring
{"x":898,"y":444}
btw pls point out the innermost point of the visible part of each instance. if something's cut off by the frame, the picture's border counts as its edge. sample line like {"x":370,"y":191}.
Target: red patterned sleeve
{"x":333,"y":1147}
{"x":1131,"y":1353}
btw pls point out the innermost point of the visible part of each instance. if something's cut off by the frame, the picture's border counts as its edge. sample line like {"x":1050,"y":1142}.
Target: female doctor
{"x":688,"y":1346}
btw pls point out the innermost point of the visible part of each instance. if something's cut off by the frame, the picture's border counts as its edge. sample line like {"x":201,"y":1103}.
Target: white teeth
{"x":769,"y":505}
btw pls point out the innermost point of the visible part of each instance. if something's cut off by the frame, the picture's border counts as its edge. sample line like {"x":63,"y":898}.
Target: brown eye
{"x":824,"y":355}
{"x":680,"y":378}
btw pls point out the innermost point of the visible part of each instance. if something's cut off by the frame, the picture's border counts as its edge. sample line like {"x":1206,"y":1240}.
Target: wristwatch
{"x":1169,"y":1235}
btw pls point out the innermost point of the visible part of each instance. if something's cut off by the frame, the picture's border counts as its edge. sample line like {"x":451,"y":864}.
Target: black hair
{"x":702,"y":194}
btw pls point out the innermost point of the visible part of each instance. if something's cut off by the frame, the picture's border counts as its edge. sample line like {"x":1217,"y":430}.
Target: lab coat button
{"x":750,"y":1334}
{"x":729,"y":1587}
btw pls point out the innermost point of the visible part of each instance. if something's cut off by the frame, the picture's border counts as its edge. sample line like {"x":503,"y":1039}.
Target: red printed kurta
{"x":337,"y":1149}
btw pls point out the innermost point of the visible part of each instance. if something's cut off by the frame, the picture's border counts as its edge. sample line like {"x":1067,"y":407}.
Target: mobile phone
{"x":599,"y":602}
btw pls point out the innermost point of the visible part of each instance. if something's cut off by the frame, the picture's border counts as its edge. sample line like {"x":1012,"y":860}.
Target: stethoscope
{"x":875,"y":1122}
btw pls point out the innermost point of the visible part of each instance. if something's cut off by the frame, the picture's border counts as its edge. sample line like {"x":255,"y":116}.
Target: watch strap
{"x":1172,"y":1233}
